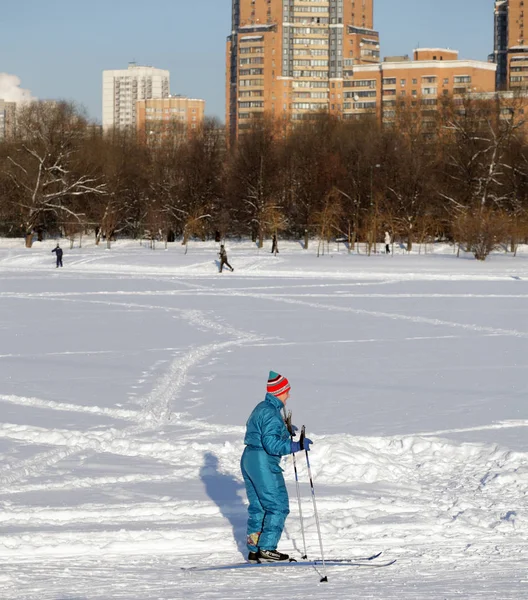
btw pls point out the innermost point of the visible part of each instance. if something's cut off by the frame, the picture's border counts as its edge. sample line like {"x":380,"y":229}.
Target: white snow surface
{"x":127,"y":376}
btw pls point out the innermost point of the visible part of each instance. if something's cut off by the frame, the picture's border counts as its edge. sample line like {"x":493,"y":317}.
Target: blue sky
{"x":59,"y":48}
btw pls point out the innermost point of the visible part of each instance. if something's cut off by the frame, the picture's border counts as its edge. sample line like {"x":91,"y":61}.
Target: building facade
{"x":510,"y":51}
{"x":124,"y":87}
{"x":283,"y":55}
{"x":7,"y":120}
{"x":500,"y":44}
{"x":432,"y":74}
{"x":290,"y":58}
{"x":159,"y":116}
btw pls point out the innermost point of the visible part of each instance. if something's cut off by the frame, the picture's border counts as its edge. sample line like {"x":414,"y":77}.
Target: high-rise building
{"x":285,"y":56}
{"x":500,"y":48}
{"x":123,"y":88}
{"x":290,"y":58}
{"x":510,"y":51}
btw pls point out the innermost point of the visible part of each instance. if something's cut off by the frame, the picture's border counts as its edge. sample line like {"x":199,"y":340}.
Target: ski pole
{"x":325,"y":577}
{"x":290,"y":429}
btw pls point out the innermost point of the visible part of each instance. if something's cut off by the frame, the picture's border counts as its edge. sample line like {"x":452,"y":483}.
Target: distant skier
{"x":267,"y":439}
{"x":274,"y":244}
{"x":58,"y":252}
{"x":387,"y":242}
{"x":223,"y":258}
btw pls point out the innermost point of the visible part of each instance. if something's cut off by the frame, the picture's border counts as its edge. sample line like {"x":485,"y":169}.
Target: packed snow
{"x":126,"y":378}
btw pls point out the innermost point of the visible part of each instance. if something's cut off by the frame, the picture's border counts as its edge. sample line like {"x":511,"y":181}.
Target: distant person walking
{"x":223,"y":258}
{"x":274,"y":244}
{"x":387,"y":242}
{"x":58,"y":252}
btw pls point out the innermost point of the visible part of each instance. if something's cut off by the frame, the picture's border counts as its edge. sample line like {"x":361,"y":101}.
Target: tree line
{"x":456,"y":172}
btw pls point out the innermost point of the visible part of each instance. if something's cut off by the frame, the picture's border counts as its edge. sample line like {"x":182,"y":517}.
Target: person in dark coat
{"x":274,"y":244}
{"x":267,"y":439}
{"x":223,"y":258}
{"x":58,"y":252}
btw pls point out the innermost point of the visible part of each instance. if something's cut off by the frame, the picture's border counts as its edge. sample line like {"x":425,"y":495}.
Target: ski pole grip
{"x":301,"y":439}
{"x":288,"y":422}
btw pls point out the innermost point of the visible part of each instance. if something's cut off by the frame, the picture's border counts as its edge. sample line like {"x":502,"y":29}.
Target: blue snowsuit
{"x":267,"y":439}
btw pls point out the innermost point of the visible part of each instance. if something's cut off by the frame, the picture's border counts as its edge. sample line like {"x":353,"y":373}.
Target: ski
{"x":355,"y":559}
{"x":301,"y":563}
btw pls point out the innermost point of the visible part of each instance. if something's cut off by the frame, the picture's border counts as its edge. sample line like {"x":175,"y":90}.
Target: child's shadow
{"x":223,"y":491}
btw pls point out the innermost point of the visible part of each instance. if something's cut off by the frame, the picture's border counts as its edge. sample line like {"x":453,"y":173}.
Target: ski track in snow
{"x":156,"y":410}
{"x":393,"y":493}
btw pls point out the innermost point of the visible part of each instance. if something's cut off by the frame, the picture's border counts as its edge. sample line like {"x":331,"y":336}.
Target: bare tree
{"x":312,"y":165}
{"x":200,"y":191}
{"x":44,"y":165}
{"x":481,"y":232}
{"x":125,"y":164}
{"x":327,"y":219}
{"x":409,"y":160}
{"x":273,"y":218}
{"x":516,"y":184}
{"x":475,"y":168}
{"x":187,"y":180}
{"x":254,"y":176}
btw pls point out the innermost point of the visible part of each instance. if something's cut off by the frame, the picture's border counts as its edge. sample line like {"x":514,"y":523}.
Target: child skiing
{"x":267,"y":439}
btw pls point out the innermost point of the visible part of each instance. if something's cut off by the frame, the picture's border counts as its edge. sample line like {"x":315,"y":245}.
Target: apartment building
{"x":123,"y":88}
{"x":159,"y":116}
{"x":431,"y":74}
{"x":510,"y":51}
{"x":289,"y":58}
{"x":283,"y":55}
{"x":7,"y":120}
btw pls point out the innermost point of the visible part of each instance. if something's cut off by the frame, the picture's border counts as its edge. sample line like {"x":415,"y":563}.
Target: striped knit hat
{"x":277,"y":384}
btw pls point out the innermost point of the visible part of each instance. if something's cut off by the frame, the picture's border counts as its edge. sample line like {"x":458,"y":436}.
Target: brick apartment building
{"x":282,"y":55}
{"x":176,"y":113}
{"x":433,"y":73}
{"x":289,"y":58}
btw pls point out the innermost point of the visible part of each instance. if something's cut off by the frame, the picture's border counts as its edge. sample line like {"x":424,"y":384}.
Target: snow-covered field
{"x":127,"y":376}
